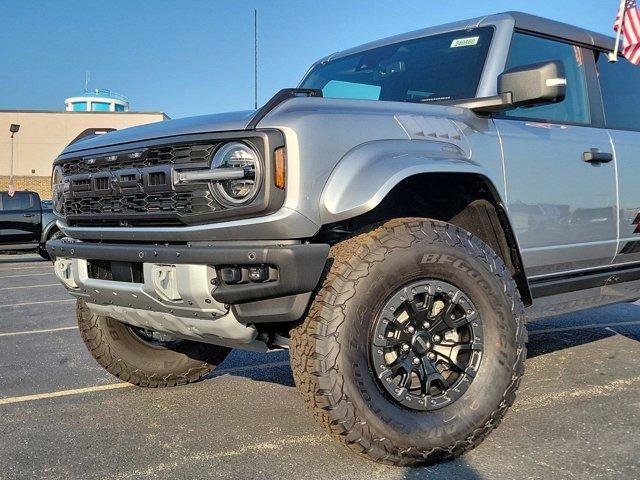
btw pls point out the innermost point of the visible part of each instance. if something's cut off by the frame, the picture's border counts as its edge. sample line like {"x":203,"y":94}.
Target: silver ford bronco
{"x":394,"y":221}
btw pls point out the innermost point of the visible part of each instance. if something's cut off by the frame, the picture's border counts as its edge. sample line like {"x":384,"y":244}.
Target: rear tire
{"x":333,"y":351}
{"x":139,"y":361}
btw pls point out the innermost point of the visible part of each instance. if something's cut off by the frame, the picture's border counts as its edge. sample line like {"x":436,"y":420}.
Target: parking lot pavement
{"x":62,"y":416}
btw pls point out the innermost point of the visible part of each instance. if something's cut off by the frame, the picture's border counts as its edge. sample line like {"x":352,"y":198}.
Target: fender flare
{"x":366,"y":174}
{"x":47,"y":230}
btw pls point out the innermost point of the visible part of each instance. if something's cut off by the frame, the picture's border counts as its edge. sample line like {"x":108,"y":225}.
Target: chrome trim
{"x":216,"y":175}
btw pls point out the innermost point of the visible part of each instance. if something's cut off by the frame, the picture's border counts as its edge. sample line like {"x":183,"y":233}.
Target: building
{"x":44,"y":134}
{"x":97,"y":100}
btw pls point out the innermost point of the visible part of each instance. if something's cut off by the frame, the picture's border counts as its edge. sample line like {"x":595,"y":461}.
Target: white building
{"x":97,"y":100}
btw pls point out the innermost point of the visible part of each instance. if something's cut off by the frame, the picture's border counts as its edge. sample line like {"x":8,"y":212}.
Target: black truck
{"x":26,"y":222}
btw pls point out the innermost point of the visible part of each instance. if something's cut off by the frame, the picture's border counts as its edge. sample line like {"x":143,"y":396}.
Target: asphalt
{"x":63,"y":417}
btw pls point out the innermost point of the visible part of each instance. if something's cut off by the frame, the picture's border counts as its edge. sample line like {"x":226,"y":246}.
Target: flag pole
{"x":613,"y":56}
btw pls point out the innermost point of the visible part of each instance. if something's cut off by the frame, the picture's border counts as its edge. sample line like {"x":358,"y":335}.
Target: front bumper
{"x":179,"y":290}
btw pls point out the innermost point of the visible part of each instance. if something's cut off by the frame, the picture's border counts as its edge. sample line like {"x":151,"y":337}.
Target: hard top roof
{"x":523,"y":21}
{"x":545,"y":26}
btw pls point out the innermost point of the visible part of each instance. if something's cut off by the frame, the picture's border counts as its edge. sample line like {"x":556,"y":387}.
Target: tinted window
{"x":439,"y":67}
{"x":620,"y":85}
{"x":527,"y":49}
{"x":20,"y":201}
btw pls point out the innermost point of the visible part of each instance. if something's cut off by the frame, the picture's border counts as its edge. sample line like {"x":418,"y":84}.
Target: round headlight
{"x":243,"y":190}
{"x":57,"y":189}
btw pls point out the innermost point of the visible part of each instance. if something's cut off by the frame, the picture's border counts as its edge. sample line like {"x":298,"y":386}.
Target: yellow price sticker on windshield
{"x":465,"y":42}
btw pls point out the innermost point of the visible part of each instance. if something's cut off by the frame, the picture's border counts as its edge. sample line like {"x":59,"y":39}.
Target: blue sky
{"x":195,"y":56}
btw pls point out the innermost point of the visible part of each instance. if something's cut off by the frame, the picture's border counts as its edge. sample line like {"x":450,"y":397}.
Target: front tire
{"x":134,"y":356}
{"x":345,"y":355}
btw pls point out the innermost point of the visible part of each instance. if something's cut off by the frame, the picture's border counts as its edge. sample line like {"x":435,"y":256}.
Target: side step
{"x":562,"y":295}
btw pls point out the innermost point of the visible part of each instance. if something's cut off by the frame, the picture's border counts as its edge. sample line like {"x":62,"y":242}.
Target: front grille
{"x":136,"y":187}
{"x":185,"y":203}
{"x":166,"y":155}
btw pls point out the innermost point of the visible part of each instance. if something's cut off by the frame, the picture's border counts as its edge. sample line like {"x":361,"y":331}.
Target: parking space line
{"x":29,"y":332}
{"x":31,"y":286}
{"x":37,"y":303}
{"x":28,"y":275}
{"x":39,"y":267}
{"x":115,"y":386}
{"x":63,"y":393}
{"x":583,"y":327}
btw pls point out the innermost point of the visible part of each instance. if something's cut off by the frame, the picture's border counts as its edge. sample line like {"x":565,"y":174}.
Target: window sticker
{"x":464,"y":42}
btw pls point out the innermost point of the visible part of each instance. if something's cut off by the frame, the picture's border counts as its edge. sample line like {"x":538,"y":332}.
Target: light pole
{"x":13,"y":129}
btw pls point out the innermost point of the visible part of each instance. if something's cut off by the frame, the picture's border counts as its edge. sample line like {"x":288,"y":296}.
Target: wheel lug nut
{"x":405,"y":347}
{"x":416,"y":361}
{"x":411,"y":329}
{"x":432,"y":356}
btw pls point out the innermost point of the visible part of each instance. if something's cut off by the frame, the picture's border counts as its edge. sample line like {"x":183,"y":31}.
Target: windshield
{"x":440,"y":67}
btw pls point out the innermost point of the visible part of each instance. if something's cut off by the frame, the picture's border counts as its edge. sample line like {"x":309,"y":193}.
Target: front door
{"x":563,"y":206}
{"x":19,"y":218}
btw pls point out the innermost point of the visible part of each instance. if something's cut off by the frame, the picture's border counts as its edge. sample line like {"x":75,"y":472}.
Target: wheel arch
{"x":48,"y":230}
{"x":465,"y":197}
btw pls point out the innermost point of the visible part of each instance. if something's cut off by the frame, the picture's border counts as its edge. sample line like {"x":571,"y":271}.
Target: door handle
{"x":596,"y":156}
{"x":28,"y":215}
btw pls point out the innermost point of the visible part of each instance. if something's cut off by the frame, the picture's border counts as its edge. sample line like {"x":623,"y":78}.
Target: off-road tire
{"x":126,"y":356}
{"x":330,"y":352}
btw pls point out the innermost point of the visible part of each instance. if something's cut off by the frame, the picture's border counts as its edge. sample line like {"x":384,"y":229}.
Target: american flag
{"x":628,"y":21}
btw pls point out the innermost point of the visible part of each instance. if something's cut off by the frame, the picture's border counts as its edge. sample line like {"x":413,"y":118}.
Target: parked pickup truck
{"x":393,"y":222}
{"x":26,"y":222}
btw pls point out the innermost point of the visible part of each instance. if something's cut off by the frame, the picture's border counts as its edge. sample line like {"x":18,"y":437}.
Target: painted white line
{"x":39,"y":267}
{"x":37,"y":303}
{"x":63,"y":393}
{"x":115,"y":386}
{"x":29,"y":332}
{"x":32,"y":286}
{"x":590,"y":392}
{"x":583,"y":327}
{"x":28,"y":275}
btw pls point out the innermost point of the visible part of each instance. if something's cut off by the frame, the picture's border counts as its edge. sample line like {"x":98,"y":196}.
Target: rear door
{"x":563,"y":208}
{"x":20,"y":221}
{"x":620,"y":86}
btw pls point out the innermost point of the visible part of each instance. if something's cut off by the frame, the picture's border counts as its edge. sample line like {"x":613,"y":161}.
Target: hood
{"x":220,"y":122}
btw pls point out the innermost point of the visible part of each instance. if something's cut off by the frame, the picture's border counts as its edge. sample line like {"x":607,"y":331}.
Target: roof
{"x":523,"y":21}
{"x":532,"y":23}
{"x":101,"y":93}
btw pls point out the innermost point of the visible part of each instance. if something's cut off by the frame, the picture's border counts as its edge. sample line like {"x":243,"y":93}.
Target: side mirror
{"x":536,"y":84}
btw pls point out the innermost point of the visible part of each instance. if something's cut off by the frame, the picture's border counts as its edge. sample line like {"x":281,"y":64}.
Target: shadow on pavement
{"x":546,"y":336}
{"x":573,"y":330}
{"x":274,"y":367}
{"x":455,"y":469}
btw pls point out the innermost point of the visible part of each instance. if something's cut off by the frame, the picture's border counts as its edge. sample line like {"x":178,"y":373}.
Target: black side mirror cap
{"x":536,"y":84}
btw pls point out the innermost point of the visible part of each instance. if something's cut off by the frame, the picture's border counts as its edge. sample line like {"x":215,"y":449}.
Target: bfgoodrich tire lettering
{"x":330,"y":350}
{"x":129,"y":357}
